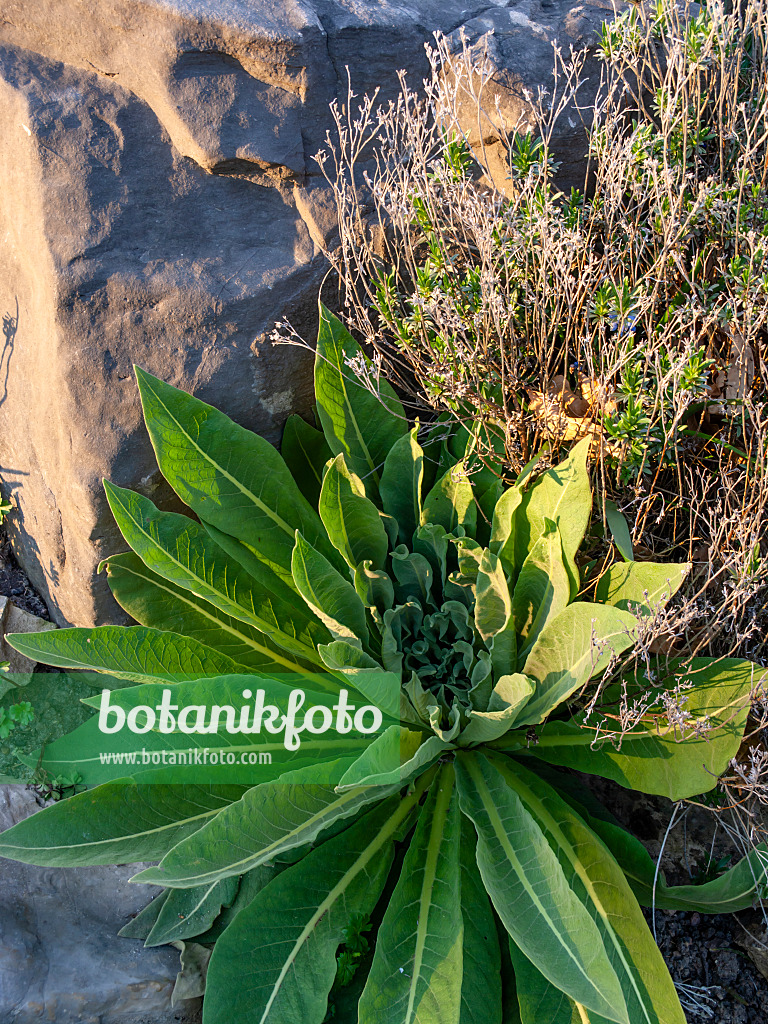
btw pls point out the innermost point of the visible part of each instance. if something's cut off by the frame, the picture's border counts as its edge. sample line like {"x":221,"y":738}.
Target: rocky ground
{"x":720,"y":963}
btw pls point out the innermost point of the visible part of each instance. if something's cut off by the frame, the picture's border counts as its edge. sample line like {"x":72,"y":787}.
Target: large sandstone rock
{"x":159,"y":205}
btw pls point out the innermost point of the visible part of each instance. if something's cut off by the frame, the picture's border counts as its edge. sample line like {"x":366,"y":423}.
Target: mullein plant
{"x":453,"y":872}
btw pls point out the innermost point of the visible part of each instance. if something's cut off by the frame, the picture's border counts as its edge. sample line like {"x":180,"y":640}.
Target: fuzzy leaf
{"x":662,"y":758}
{"x":125,"y":652}
{"x":563,"y":495}
{"x":181,"y":551}
{"x":276,"y":962}
{"x":230,"y":477}
{"x":641,"y":587}
{"x":157,"y":603}
{"x":305,"y":452}
{"x":416,"y":975}
{"x":451,"y":502}
{"x":531,"y":893}
{"x":358,"y":424}
{"x":542,"y":589}
{"x":574,"y":646}
{"x":400,"y":485}
{"x":351,"y":519}
{"x":119,"y":822}
{"x":332,"y":598}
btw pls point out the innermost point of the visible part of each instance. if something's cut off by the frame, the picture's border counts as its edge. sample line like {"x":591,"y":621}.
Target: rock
{"x":16,"y":620}
{"x":516,"y":43}
{"x":160,"y":206}
{"x":60,"y":956}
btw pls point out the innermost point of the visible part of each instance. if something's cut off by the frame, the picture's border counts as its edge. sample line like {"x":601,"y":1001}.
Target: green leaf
{"x":269,"y":819}
{"x":332,"y":598}
{"x":563,"y":495}
{"x":416,"y":975}
{"x":305,"y":452}
{"x":189,"y":912}
{"x":574,"y":646}
{"x":351,"y":519}
{"x":641,"y":587}
{"x":157,"y":603}
{"x":509,"y":695}
{"x":502,"y":541}
{"x":657,"y":757}
{"x":229,"y":476}
{"x":374,"y":587}
{"x":598,"y":881}
{"x":276,"y":962}
{"x":125,"y":652}
{"x":394,"y":757}
{"x":117,"y":823}
{"x":357,"y":423}
{"x":182,"y":552}
{"x":542,"y":589}
{"x":481,"y":960}
{"x":493,"y":605}
{"x":451,"y":502}
{"x":140,"y":926}
{"x":413,"y":573}
{"x":400,"y":485}
{"x":541,"y":1001}
{"x":617,"y":524}
{"x":732,"y":891}
{"x":531,"y":894}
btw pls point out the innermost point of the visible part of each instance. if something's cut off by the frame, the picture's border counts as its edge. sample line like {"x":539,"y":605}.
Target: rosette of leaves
{"x":477,"y":883}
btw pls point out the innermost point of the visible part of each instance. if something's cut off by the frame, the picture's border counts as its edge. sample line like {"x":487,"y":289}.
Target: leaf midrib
{"x":503,"y":839}
{"x":278,"y":520}
{"x":380,"y":839}
{"x":545,"y":815}
{"x":439,"y":818}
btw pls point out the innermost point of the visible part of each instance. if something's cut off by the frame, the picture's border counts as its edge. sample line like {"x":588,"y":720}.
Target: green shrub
{"x":477,"y":874}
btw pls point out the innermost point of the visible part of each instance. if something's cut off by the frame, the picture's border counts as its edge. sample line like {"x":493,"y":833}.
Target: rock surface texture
{"x":159,"y":205}
{"x":61,"y":959}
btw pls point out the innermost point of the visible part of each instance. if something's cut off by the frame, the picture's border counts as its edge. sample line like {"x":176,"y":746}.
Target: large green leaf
{"x":306,"y":452}
{"x":276,"y":962}
{"x":563,"y":495}
{"x":593,"y":874}
{"x":531,"y":893}
{"x":416,"y":975}
{"x":542,"y":589}
{"x":268,"y":820}
{"x":539,"y":1001}
{"x":182,"y":552}
{"x":502,"y":541}
{"x":357,"y":423}
{"x":676,"y":760}
{"x":230,"y":477}
{"x":575,"y":645}
{"x":332,"y":598}
{"x":734,"y":890}
{"x":351,"y":519}
{"x":187,"y":913}
{"x":125,"y":652}
{"x":481,"y":961}
{"x":394,"y":757}
{"x":641,"y":587}
{"x":493,"y":605}
{"x":400,"y":485}
{"x":451,"y":502}
{"x":508,"y":696}
{"x":157,"y":603}
{"x":119,"y":822}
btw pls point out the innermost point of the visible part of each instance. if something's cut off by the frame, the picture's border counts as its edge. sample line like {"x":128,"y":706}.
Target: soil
{"x":719,"y":963}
